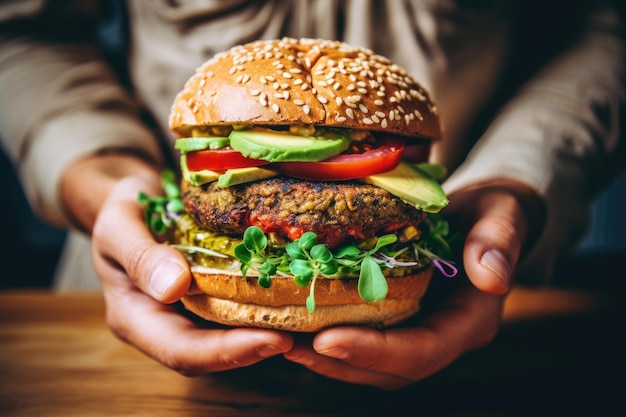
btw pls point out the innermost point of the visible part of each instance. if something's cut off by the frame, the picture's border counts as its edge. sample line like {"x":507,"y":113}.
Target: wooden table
{"x":558,"y":351}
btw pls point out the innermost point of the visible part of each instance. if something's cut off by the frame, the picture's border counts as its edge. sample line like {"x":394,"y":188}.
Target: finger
{"x":340,"y":370}
{"x":121,"y":236}
{"x":467,"y":321}
{"x":493,"y":244}
{"x":163,"y":334}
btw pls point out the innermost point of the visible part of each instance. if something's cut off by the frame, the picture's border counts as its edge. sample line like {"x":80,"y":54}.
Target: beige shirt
{"x":558,"y":131}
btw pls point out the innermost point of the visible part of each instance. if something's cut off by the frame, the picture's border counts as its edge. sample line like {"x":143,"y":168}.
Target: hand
{"x":468,"y":319}
{"x":141,"y":277}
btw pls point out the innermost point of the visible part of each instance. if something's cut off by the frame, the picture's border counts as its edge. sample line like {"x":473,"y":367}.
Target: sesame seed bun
{"x":305,"y":81}
{"x":228,"y":299}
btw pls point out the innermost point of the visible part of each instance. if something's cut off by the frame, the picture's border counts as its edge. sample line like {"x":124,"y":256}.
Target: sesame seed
{"x":306,"y":109}
{"x":297,"y":81}
{"x":383,"y":123}
{"x":340,"y":119}
{"x":350,"y":113}
{"x":338,"y":100}
{"x":362,"y":90}
{"x":337,"y":85}
{"x":375,"y":118}
{"x":367,"y":121}
{"x":255,"y":92}
{"x":275,"y":108}
{"x":363,"y":108}
{"x":322,"y":100}
{"x":378,"y":102}
{"x":298,"y":102}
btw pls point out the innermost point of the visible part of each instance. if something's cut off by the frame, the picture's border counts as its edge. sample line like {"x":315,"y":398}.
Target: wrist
{"x":86,"y":183}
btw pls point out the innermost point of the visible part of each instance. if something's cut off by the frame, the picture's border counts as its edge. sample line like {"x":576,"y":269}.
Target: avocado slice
{"x":185,"y":145}
{"x":237,"y":176}
{"x":412,"y":185}
{"x":276,"y":146}
{"x":196,"y":178}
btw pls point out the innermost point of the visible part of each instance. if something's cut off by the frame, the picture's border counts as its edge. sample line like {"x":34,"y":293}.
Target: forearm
{"x":61,"y":104}
{"x":560,"y":137}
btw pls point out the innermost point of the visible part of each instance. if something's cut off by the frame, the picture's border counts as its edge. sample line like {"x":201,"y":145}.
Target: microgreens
{"x":436,"y":245}
{"x":161,"y":212}
{"x":306,"y":260}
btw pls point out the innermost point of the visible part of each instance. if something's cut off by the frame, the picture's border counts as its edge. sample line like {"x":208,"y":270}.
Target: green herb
{"x":306,"y":260}
{"x":437,"y":245}
{"x":161,"y":212}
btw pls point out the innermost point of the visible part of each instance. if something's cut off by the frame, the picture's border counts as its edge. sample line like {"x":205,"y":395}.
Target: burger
{"x":304,"y":202}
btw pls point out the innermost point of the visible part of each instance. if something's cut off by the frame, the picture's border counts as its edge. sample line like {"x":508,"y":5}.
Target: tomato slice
{"x":220,"y":160}
{"x":349,"y":166}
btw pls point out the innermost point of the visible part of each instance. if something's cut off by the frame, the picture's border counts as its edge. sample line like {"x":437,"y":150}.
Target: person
{"x":532,"y":99}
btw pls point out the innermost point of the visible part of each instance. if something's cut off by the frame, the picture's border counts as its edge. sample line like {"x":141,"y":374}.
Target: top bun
{"x":305,"y":81}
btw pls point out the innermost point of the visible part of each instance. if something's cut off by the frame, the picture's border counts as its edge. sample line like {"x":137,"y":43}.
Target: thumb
{"x":121,"y":239}
{"x":494,"y":242}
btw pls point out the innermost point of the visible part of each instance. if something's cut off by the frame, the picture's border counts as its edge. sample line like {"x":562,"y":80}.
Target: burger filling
{"x":304,"y":202}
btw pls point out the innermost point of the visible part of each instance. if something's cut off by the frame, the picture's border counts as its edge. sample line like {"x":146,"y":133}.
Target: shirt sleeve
{"x":60,"y":101}
{"x":560,"y":135}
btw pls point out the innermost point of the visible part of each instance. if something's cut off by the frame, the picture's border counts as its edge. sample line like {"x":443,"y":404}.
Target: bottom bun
{"x":228,"y":299}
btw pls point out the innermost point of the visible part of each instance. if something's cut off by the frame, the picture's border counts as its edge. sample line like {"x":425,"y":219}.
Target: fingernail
{"x":164,"y":276}
{"x":267,"y":351}
{"x":336,"y":352}
{"x":497,"y":263}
